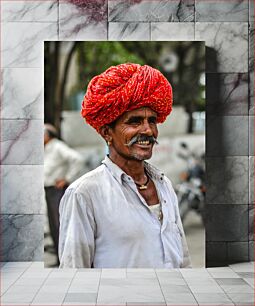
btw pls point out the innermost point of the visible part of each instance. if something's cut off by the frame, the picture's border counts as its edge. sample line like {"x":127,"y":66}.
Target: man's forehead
{"x":143,"y":111}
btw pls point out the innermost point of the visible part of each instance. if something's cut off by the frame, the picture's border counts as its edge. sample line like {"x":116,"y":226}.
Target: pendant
{"x":143,"y":187}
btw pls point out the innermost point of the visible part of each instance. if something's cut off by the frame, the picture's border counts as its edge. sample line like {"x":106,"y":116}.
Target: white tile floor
{"x":27,"y":283}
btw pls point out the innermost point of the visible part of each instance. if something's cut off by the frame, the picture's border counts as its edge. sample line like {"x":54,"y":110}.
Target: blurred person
{"x":62,"y":165}
{"x":124,"y":214}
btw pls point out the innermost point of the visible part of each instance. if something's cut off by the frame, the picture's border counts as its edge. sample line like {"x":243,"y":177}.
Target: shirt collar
{"x":118,"y":173}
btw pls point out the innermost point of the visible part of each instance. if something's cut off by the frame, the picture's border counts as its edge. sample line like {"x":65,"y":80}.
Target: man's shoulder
{"x":89,"y":181}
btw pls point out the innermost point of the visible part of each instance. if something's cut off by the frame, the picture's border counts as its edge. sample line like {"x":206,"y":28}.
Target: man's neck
{"x":132,"y":167}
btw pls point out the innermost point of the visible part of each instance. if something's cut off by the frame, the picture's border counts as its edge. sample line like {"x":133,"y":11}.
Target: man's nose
{"x":146,"y":128}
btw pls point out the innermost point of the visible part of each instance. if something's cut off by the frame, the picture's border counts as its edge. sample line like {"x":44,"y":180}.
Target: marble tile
{"x":251,"y":10}
{"x":227,"y":94}
{"x":22,"y":237}
{"x":23,"y":10}
{"x":81,"y":297}
{"x":216,"y":252}
{"x":83,"y":20}
{"x":227,"y":223}
{"x":251,"y":180}
{"x":227,"y":180}
{"x":237,"y":251}
{"x":234,"y":10}
{"x":25,"y":48}
{"x":128,"y":31}
{"x":172,"y":31}
{"x":151,"y":10}
{"x":251,"y":93}
{"x":220,"y":142}
{"x":226,"y":43}
{"x":22,"y":142}
{"x":21,"y":193}
{"x":22,"y":93}
{"x":251,"y":135}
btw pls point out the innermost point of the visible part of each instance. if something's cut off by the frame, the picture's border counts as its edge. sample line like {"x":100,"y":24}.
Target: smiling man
{"x":124,"y":214}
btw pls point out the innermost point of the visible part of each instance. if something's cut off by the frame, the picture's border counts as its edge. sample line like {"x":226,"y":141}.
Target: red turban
{"x":124,"y":88}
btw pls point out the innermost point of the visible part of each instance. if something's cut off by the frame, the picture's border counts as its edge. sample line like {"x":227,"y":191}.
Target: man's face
{"x":133,"y":134}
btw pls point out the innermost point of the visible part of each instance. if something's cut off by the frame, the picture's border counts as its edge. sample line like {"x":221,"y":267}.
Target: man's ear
{"x":105,"y":132}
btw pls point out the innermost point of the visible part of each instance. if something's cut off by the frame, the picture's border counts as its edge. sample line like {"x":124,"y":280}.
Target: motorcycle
{"x":191,"y":190}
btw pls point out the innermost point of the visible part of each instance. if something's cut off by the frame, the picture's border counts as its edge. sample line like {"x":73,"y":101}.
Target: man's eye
{"x":134,"y":121}
{"x":152,"y":120}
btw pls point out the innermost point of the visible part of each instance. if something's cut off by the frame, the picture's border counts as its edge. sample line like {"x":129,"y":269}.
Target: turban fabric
{"x":124,"y":88}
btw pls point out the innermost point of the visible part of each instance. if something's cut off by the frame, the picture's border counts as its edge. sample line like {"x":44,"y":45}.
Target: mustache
{"x":137,"y":138}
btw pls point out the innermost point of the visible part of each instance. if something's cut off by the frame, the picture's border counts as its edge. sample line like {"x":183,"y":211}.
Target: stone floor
{"x":29,"y":283}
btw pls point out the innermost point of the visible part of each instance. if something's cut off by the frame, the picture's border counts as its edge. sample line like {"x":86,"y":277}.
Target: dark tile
{"x":227,"y":94}
{"x":251,"y":250}
{"x":251,"y":222}
{"x":237,"y":252}
{"x":227,"y":135}
{"x":234,"y":10}
{"x":227,"y":180}
{"x":216,"y":251}
{"x":226,"y":223}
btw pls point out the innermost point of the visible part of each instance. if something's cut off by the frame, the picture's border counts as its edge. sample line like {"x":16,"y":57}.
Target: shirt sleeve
{"x":74,"y":161}
{"x":77,"y":231}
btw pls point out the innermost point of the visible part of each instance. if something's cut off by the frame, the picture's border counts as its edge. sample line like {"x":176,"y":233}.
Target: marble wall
{"x":227,"y":27}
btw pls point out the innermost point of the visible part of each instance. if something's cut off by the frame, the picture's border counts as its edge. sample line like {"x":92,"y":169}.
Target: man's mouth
{"x":143,"y":142}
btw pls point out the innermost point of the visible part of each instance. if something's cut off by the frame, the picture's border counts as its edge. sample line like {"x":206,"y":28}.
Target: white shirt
{"x":60,"y":162}
{"x":106,"y":223}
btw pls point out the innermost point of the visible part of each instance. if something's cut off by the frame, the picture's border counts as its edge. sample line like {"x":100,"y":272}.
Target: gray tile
{"x":227,"y":94}
{"x":22,"y":93}
{"x":237,"y":251}
{"x":128,"y":31}
{"x":246,"y":274}
{"x":227,"y":180}
{"x":251,"y":92}
{"x":237,"y":288}
{"x":153,"y":10}
{"x":172,"y":31}
{"x":16,"y":180}
{"x":227,"y":42}
{"x":251,"y":179}
{"x":21,"y":142}
{"x":251,"y":135}
{"x":234,"y":10}
{"x":220,"y":142}
{"x":81,"y":297}
{"x":33,"y":11}
{"x":227,"y":223}
{"x":242,"y":299}
{"x":213,"y":299}
{"x":230,"y":281}
{"x":178,"y":289}
{"x":180,"y":299}
{"x":83,"y":20}
{"x":22,"y":237}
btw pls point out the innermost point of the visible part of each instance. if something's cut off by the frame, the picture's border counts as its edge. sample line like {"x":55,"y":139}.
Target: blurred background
{"x":68,"y":68}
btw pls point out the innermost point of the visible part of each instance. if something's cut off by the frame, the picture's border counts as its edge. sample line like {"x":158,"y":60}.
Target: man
{"x":62,"y":165}
{"x":124,"y":214}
